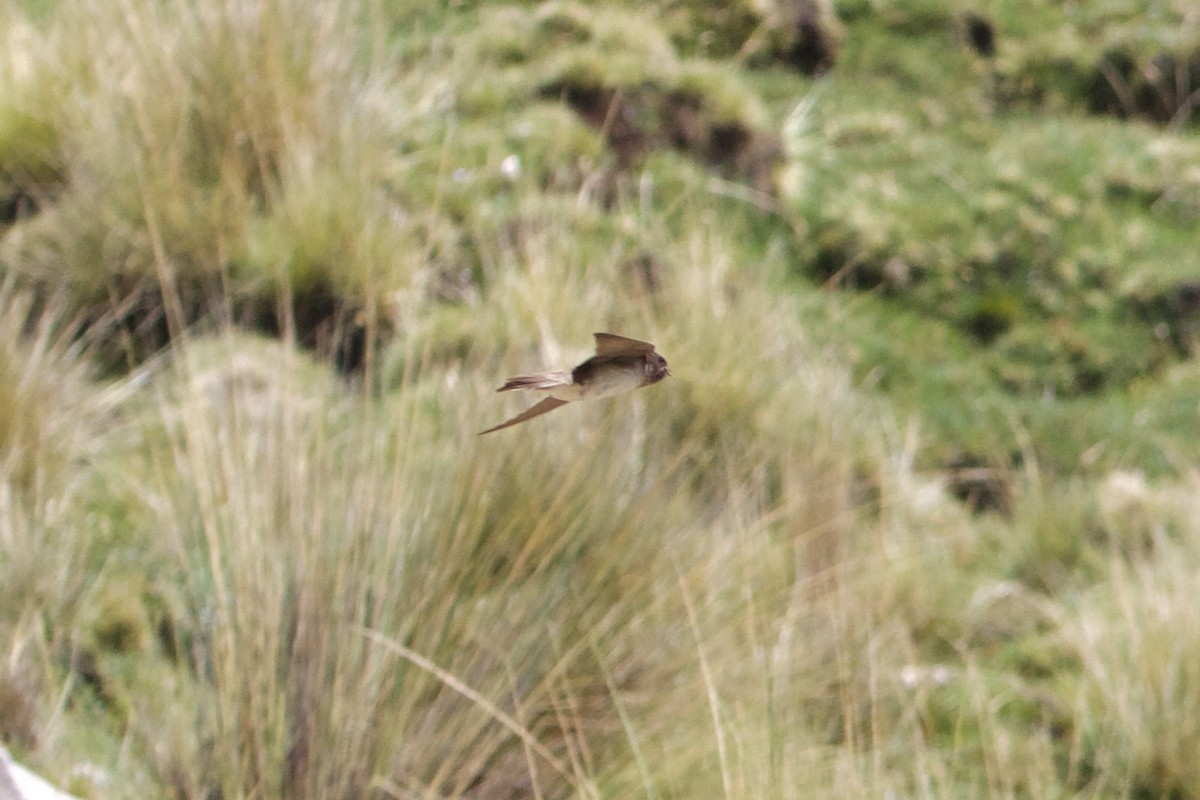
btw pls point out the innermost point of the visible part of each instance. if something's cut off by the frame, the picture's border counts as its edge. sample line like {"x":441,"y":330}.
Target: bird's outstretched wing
{"x":609,"y":344}
{"x":549,"y":404}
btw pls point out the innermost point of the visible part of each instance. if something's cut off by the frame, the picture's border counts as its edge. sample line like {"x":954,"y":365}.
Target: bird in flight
{"x":620,"y":365}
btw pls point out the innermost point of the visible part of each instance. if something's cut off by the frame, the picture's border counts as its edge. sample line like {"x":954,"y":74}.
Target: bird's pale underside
{"x":619,"y":366}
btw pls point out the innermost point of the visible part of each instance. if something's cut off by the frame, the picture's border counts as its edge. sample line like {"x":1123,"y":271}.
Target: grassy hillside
{"x":915,"y":516}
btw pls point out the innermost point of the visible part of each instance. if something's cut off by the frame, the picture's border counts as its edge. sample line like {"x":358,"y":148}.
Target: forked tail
{"x":543,"y":380}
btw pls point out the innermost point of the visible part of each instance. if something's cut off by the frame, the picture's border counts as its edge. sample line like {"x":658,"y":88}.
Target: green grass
{"x":266,"y":263}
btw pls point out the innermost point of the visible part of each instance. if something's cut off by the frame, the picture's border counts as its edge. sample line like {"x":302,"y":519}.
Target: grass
{"x":266,"y":263}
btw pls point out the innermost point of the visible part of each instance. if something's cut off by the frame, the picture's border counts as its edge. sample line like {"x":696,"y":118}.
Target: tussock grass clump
{"x":531,"y":578}
{"x":216,"y":159}
{"x":50,"y":412}
{"x":46,"y":414}
{"x":1137,"y":641}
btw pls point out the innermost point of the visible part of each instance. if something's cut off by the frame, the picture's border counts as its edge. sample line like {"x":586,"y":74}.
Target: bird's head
{"x":656,"y":368}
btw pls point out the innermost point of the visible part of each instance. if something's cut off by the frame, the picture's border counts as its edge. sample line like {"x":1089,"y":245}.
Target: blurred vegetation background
{"x":918,"y":514}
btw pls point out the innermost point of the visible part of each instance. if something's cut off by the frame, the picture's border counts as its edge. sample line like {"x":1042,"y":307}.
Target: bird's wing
{"x":609,"y":344}
{"x":549,"y":404}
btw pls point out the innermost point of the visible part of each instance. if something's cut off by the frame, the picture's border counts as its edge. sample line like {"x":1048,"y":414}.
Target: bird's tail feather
{"x":543,"y":380}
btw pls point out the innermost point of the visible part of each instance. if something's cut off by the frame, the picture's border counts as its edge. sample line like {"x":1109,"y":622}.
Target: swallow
{"x":620,"y":365}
